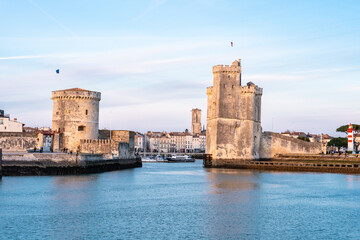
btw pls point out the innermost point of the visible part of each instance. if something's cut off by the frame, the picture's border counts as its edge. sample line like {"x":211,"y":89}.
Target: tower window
{"x":67,"y":111}
{"x":81,"y":128}
{"x":86,"y":112}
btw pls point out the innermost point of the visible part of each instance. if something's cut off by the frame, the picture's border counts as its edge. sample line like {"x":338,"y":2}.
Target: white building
{"x":139,"y":142}
{"x":7,"y":125}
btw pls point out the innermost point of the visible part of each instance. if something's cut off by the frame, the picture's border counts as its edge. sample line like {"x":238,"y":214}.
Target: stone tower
{"x":195,"y":121}
{"x":233,"y":115}
{"x":75,"y":117}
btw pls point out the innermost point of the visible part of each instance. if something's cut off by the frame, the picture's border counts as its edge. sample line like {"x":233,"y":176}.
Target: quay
{"x":74,"y":144}
{"x":26,"y":164}
{"x":291,"y":162}
{"x":0,"y":163}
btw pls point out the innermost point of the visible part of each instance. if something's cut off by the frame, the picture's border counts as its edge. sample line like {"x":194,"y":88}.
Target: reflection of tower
{"x":195,"y":121}
{"x":350,"y":138}
{"x":75,"y":117}
{"x":233,"y":115}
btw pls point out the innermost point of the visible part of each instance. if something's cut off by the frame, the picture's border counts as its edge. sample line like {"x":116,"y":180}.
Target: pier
{"x":291,"y":162}
{"x":27,"y":164}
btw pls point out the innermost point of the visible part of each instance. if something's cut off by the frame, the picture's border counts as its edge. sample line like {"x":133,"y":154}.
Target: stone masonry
{"x":233,"y":117}
{"x":234,"y":121}
{"x":195,"y":121}
{"x":75,"y":117}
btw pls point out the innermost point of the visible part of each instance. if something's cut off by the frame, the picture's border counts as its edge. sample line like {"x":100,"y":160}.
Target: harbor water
{"x":181,"y":201}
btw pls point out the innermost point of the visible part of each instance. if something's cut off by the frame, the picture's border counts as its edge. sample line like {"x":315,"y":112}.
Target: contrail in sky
{"x":22,"y":57}
{"x":52,"y":18}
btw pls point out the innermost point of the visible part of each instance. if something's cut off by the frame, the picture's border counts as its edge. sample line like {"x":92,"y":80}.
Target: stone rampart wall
{"x":125,"y":152}
{"x":273,"y":143}
{"x":104,"y":134}
{"x":18,"y":141}
{"x":99,"y":146}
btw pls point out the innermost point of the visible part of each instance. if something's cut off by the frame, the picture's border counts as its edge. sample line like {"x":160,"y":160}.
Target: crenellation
{"x":234,"y":121}
{"x":75,"y":117}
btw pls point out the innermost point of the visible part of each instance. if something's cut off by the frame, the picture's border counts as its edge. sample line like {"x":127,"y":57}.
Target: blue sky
{"x":152,"y":60}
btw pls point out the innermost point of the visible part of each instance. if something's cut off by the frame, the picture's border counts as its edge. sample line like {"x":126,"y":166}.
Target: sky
{"x":152,"y":59}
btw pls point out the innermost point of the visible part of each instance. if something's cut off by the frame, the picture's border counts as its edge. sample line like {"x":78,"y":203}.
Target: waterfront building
{"x":8,"y":125}
{"x":139,"y":142}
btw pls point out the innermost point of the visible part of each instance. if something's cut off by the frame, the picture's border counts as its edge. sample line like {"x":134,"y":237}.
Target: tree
{"x":344,"y":128}
{"x":306,"y":139}
{"x":338,"y":142}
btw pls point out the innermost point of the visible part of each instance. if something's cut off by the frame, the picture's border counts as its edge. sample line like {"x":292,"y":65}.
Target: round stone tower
{"x":75,"y":117}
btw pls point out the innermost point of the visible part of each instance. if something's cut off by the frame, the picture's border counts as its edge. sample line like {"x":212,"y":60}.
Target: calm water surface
{"x":181,"y":201}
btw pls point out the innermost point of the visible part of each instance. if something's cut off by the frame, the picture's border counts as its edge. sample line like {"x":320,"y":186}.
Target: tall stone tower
{"x":75,"y":117}
{"x":195,"y":121}
{"x":233,"y":115}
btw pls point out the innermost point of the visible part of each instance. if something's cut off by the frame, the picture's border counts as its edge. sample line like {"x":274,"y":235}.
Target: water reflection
{"x":234,"y":203}
{"x":72,"y":196}
{"x":229,"y":180}
{"x":76,"y":181}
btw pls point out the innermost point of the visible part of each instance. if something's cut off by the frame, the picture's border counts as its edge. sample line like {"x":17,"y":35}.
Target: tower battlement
{"x":235,"y":67}
{"x":76,"y":93}
{"x":251,"y":88}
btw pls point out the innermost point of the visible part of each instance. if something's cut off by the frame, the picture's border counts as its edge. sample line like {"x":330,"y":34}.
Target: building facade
{"x":8,"y":125}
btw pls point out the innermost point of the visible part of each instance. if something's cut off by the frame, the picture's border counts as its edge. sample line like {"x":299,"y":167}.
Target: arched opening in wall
{"x":81,"y":128}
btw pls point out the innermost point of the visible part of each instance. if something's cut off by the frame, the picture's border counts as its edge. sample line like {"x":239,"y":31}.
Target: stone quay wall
{"x":326,"y":164}
{"x":24,"y":164}
{"x":18,"y":141}
{"x":273,"y":144}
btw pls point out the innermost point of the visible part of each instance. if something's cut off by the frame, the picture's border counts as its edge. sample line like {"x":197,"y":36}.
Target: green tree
{"x":344,"y":128}
{"x":306,"y":139}
{"x":338,"y":142}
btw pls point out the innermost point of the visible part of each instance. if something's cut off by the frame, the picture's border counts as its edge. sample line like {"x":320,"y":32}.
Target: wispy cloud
{"x":309,"y":75}
{"x":152,"y":6}
{"x":52,"y":18}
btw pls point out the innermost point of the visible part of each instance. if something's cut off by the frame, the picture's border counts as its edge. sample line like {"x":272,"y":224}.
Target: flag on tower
{"x":232,"y":44}
{"x":57,"y":71}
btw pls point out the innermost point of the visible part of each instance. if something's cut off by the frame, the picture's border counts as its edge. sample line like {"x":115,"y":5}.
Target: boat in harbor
{"x":181,"y":158}
{"x":160,"y":158}
{"x":148,"y":159}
